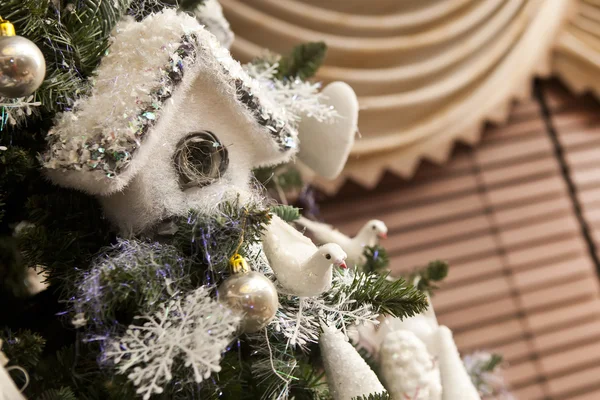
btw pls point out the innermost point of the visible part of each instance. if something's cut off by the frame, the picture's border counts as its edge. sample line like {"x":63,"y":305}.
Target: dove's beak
{"x":383,"y":235}
{"x":341,"y":264}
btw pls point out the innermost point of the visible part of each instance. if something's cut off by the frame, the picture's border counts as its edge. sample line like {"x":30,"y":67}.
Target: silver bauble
{"x":252,"y":294}
{"x":22,"y":67}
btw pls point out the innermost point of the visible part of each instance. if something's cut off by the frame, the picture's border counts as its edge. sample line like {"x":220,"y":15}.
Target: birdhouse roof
{"x":150,"y":64}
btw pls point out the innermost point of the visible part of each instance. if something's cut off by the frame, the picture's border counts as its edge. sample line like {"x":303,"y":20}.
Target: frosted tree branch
{"x":296,"y":98}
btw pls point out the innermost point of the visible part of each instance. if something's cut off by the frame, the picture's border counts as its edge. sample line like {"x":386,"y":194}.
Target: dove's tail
{"x":312,"y":226}
{"x":455,"y":379}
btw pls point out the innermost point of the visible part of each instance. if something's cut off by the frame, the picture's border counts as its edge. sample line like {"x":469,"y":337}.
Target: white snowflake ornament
{"x":196,"y":329}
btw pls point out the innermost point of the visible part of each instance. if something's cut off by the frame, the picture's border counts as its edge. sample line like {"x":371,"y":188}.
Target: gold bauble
{"x":253,"y":295}
{"x":22,"y":67}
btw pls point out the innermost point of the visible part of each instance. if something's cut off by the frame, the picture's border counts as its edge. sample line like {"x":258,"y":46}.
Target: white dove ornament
{"x":300,"y":267}
{"x":368,"y":235}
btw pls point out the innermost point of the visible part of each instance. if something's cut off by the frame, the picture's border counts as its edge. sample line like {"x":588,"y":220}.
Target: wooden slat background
{"x":518,"y":218}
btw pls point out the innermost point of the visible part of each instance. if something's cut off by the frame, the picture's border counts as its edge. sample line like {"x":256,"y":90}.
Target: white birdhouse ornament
{"x":173,"y":123}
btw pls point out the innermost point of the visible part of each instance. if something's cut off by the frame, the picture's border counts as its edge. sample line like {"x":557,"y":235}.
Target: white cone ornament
{"x":408,"y":370}
{"x":301,"y":268}
{"x":456,"y":381}
{"x":324,"y":148}
{"x":348,"y":375}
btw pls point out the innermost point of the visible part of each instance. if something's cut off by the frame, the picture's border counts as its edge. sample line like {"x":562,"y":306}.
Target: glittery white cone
{"x":348,"y":375}
{"x":455,"y":379}
{"x":409,"y":371}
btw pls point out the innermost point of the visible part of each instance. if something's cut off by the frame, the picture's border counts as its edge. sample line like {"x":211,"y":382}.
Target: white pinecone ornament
{"x":409,"y":371}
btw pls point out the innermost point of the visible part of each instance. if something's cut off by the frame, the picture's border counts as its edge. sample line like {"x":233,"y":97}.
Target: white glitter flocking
{"x":348,"y":375}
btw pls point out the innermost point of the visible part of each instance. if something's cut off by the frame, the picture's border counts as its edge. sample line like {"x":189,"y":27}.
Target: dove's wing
{"x":284,"y":244}
{"x":324,"y":233}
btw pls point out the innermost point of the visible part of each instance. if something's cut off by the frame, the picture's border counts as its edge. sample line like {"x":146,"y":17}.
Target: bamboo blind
{"x":519,"y":220}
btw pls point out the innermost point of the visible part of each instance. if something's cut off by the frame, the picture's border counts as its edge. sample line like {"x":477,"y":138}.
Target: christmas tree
{"x":144,"y":252}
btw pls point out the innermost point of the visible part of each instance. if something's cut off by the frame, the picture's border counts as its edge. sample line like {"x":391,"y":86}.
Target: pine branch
{"x":494,"y":362}
{"x":63,"y":393}
{"x":303,"y":62}
{"x":68,"y":229}
{"x":285,"y":177}
{"x":435,"y":271}
{"x":13,"y":271}
{"x":396,"y":298}
{"x":126,"y":280}
{"x":212,"y":239}
{"x":22,"y":347}
{"x":73,"y":37}
{"x":286,"y":213}
{"x":374,"y":396}
{"x":377,"y":259}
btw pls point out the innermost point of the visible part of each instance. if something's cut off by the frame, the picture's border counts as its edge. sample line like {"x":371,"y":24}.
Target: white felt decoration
{"x":300,"y":267}
{"x":408,"y":369}
{"x":348,"y":375}
{"x":324,"y":148}
{"x":210,"y":14}
{"x":368,"y":235}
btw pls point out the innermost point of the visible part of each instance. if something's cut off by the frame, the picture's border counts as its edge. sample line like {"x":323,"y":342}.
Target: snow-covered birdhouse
{"x":173,"y":123}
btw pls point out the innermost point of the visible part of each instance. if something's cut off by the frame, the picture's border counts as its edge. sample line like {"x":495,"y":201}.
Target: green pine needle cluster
{"x":374,"y":396}
{"x":377,"y":259}
{"x":427,"y":276}
{"x":22,"y":348}
{"x":211,"y":240}
{"x":396,"y":298}
{"x":494,"y":362}
{"x":63,"y":393}
{"x":72,"y":35}
{"x":279,"y":180}
{"x":128,"y":277}
{"x":303,"y":61}
{"x":286,"y":213}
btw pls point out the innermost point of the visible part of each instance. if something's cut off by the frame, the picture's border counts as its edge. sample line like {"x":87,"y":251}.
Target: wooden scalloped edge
{"x":404,"y":161}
